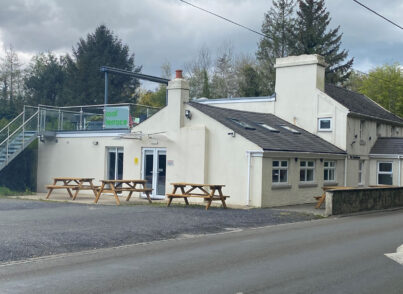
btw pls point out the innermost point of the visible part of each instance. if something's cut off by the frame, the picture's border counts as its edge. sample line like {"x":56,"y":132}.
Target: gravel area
{"x":38,"y":228}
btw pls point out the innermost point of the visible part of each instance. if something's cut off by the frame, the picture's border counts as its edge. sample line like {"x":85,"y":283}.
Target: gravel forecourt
{"x":38,"y":228}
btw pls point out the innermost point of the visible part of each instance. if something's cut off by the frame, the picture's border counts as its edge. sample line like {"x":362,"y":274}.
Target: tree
{"x":223,"y":83}
{"x":278,"y":26}
{"x":312,"y":36}
{"x":383,"y":84}
{"x":248,"y":81}
{"x":198,"y":73}
{"x":44,"y":80}
{"x":85,"y":83}
{"x":11,"y":84}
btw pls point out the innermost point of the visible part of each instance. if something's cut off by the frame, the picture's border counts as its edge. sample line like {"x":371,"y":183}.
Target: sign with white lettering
{"x":116,"y":117}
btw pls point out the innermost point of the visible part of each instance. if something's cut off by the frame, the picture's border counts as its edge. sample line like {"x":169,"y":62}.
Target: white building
{"x":268,"y":151}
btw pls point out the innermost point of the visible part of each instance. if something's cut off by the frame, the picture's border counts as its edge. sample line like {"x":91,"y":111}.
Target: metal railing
{"x":89,"y":117}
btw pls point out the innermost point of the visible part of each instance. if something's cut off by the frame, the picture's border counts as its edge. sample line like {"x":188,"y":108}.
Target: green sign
{"x":116,"y":117}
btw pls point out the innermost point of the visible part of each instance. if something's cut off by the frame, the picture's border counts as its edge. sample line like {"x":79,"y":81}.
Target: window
{"x":271,"y":129}
{"x":329,"y":171}
{"x":385,"y":173}
{"x":362,"y":125}
{"x":325,"y":124}
{"x":291,"y":129}
{"x":280,"y":171}
{"x":307,"y":171}
{"x":243,"y":124}
{"x":360,"y":172}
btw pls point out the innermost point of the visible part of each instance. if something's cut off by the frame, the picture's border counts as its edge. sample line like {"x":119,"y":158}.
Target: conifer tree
{"x":312,"y":36}
{"x":278,"y":26}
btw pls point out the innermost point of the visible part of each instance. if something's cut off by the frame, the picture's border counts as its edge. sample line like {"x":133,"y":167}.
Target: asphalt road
{"x":340,"y":255}
{"x":38,"y":228}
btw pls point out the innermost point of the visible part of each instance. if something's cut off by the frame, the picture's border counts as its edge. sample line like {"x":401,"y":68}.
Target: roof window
{"x":271,"y":129}
{"x":290,"y":129}
{"x":243,"y":124}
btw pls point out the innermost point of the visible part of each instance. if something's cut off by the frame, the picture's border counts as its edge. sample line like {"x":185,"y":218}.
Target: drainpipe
{"x":345,"y":172}
{"x":249,"y":153}
{"x":400,"y":168}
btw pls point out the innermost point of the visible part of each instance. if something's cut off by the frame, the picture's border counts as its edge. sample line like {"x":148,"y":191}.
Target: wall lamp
{"x":188,"y":114}
{"x":95,"y":143}
{"x":232,"y":134}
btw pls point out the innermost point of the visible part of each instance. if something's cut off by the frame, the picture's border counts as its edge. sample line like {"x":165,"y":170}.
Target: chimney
{"x":178,"y":95}
{"x":301,"y":71}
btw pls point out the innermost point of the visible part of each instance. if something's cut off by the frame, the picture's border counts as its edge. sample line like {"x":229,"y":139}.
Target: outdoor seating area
{"x":208,"y":192}
{"x":108,"y":186}
{"x":187,"y":190}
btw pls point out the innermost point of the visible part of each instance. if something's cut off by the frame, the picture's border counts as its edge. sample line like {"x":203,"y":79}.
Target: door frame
{"x":116,"y":150}
{"x":155,"y":166}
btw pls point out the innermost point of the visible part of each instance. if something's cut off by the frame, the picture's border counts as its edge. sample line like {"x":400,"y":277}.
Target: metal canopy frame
{"x":108,"y":69}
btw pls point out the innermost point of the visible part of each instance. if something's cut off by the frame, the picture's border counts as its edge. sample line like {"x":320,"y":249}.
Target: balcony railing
{"x":91,"y":117}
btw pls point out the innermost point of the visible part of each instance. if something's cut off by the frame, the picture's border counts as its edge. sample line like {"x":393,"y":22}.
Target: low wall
{"x":355,"y":200}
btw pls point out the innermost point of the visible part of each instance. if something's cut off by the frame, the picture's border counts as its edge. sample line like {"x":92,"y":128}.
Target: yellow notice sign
{"x":136,"y":160}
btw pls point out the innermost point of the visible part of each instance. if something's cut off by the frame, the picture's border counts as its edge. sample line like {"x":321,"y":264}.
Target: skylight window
{"x":243,"y":124}
{"x":271,"y":129}
{"x":291,"y":129}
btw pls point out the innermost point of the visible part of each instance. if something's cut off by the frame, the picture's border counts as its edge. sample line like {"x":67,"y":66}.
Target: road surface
{"x":339,"y":255}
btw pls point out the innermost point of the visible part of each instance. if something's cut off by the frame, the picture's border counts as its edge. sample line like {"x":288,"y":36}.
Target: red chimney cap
{"x":179,"y":74}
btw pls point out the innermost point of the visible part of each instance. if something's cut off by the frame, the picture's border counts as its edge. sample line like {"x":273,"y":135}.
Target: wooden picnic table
{"x":70,"y":183}
{"x":322,"y":198}
{"x":197,"y":190}
{"x":115,"y":186}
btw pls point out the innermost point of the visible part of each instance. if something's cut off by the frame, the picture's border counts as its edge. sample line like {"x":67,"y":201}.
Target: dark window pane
{"x":385,"y":166}
{"x":275,"y":176}
{"x":326,"y":175}
{"x":325,"y":124}
{"x":283,"y":176}
{"x":385,"y":179}
{"x":302,"y":175}
{"x":275,"y":163}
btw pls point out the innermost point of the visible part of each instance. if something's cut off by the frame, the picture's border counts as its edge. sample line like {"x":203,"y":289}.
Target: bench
{"x":208,"y":196}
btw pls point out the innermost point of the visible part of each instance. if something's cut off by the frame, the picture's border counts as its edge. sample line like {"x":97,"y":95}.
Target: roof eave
{"x":360,"y":115}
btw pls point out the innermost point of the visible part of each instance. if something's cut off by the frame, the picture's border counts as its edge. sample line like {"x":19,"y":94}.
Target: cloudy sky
{"x":159,"y":31}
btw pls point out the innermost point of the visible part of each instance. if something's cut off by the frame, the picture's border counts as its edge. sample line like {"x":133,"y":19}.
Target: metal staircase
{"x":18,"y":134}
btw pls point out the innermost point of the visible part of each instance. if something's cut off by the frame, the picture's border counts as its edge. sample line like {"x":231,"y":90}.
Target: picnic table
{"x":197,"y":190}
{"x":115,"y":186}
{"x":322,"y":198}
{"x":70,"y":183}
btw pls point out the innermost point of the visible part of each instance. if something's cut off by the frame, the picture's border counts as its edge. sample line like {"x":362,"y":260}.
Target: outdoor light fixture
{"x":95,"y":143}
{"x":188,"y":114}
{"x":232,"y":134}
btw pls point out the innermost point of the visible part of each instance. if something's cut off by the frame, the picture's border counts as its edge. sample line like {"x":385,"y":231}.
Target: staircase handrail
{"x":21,"y":126}
{"x":13,"y":120}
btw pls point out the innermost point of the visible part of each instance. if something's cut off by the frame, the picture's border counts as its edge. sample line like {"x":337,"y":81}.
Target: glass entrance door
{"x":154,"y":170}
{"x":114,"y":163}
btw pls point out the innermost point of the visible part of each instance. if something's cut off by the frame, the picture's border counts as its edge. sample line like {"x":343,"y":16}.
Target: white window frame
{"x":325,"y":129}
{"x":306,"y":168}
{"x":378,"y":172}
{"x":361,"y":164}
{"x":279,"y":168}
{"x":329,"y":168}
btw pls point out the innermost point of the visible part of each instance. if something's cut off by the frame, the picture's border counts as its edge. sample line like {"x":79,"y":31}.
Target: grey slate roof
{"x":283,"y":140}
{"x":360,"y":104}
{"x":388,"y":145}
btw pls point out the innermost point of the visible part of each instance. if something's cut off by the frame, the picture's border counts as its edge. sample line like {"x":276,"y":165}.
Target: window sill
{"x":280,"y":186}
{"x":325,"y":130}
{"x":307,"y":185}
{"x":330,"y":183}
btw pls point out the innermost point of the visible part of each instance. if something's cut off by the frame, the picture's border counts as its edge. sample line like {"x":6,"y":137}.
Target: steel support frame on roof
{"x":108,"y":69}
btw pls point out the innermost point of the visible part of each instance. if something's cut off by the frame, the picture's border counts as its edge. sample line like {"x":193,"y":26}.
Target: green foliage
{"x":312,"y":36}
{"x":84,"y":83}
{"x":249,"y":82}
{"x":154,"y":99}
{"x":206,"y":85}
{"x":278,"y":25}
{"x":383,"y":84}
{"x":44,"y":80}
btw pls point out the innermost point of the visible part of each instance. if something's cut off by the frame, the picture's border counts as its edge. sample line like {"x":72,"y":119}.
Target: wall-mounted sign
{"x":116,"y":117}
{"x":136,"y":160}
{"x":170,"y":162}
